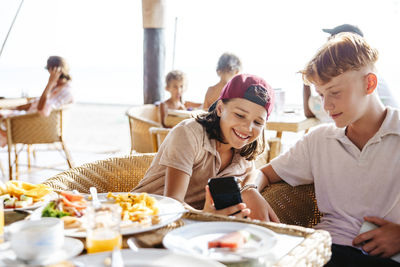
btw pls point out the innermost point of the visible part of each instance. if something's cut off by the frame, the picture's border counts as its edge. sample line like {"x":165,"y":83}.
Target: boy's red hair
{"x":342,"y":52}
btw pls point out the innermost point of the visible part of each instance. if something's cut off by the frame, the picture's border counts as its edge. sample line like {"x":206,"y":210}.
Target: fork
{"x":116,"y":258}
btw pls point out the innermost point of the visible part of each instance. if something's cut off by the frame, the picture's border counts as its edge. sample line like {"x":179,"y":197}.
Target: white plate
{"x":164,"y":204}
{"x":71,"y":248}
{"x":38,"y":204}
{"x":194,"y":238}
{"x":148,"y":257}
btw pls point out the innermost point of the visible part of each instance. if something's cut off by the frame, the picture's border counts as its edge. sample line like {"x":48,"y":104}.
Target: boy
{"x":353,"y":164}
{"x":228,"y":66}
{"x":312,"y":104}
{"x":175,"y":85}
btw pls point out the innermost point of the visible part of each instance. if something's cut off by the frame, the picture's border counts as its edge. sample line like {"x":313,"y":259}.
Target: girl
{"x":222,"y":142}
{"x":56,"y":94}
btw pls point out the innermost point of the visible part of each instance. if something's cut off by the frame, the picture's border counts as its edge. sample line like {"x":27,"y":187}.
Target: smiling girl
{"x":222,"y":142}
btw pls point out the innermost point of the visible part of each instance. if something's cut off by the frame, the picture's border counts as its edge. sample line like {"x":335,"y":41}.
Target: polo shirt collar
{"x":390,"y":125}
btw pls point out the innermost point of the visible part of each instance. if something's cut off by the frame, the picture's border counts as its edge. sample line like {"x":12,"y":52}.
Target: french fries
{"x":19,"y":188}
{"x":136,"y":208}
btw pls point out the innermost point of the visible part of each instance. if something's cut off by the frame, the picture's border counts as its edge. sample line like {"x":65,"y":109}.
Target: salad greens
{"x":51,"y":211}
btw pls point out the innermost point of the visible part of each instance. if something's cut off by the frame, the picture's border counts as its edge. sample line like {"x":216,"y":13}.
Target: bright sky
{"x":103,"y":42}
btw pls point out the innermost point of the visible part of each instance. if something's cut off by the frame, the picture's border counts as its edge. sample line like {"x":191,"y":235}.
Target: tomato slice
{"x":79,"y":205}
{"x":71,"y":196}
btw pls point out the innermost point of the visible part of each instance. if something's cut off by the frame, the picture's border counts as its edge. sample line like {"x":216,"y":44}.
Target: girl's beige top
{"x":188,"y":149}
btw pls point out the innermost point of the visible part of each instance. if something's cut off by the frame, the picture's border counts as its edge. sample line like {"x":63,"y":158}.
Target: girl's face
{"x":242,"y":121}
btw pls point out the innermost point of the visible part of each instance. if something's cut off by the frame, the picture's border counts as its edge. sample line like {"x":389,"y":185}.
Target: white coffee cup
{"x":36,"y":240}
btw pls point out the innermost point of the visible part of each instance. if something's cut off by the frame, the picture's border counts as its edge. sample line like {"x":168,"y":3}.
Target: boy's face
{"x":176,"y":88}
{"x":242,"y":121}
{"x":344,"y":97}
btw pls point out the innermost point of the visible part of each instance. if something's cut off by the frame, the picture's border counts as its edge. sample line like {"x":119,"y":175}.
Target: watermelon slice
{"x":232,"y":240}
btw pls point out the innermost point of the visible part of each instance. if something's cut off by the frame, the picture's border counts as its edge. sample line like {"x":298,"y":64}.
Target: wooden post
{"x":153,"y":50}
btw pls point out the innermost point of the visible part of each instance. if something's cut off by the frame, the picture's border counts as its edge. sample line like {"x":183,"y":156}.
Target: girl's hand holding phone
{"x":239,"y":210}
{"x":260,"y":209}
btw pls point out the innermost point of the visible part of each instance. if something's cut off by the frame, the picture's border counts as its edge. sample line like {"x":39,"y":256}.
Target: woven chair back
{"x":111,"y":175}
{"x":293,"y":205}
{"x":36,"y":129}
{"x":141,"y":118}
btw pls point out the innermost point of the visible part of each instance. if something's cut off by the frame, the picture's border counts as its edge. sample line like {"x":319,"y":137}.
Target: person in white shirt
{"x":354,"y":163}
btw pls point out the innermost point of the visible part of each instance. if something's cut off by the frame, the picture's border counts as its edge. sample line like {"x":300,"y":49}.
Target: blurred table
{"x":12,"y":102}
{"x":288,"y":122}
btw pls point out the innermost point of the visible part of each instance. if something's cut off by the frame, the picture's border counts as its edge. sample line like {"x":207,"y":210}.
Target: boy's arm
{"x":263,"y":177}
{"x":206,"y":103}
{"x":163,"y":113}
{"x":383,"y":241}
{"x":259,"y":207}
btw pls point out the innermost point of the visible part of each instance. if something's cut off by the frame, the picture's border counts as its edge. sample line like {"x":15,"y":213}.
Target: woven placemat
{"x":153,"y":238}
{"x":276,"y":227}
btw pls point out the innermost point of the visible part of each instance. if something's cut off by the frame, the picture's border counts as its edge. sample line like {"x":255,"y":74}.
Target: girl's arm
{"x":176,"y":184}
{"x":55,"y":74}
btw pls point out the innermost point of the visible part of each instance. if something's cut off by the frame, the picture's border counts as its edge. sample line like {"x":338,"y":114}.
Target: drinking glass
{"x":279,"y":101}
{"x":103,"y":232}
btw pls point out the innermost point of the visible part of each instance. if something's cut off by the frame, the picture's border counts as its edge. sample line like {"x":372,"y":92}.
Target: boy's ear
{"x":372,"y":83}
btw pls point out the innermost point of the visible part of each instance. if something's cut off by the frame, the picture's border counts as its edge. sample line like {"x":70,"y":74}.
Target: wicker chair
{"x":141,"y":118}
{"x":32,"y":129}
{"x":110,"y":175}
{"x":293,"y":205}
{"x":158,"y":135}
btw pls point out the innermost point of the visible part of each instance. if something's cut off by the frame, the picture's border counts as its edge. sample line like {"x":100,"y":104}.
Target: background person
{"x":228,"y":66}
{"x":56,"y":94}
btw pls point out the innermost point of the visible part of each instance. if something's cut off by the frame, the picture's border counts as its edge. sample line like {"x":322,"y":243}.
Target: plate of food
{"x":222,"y":241}
{"x":146,"y":257}
{"x":20,"y":195}
{"x":141,"y":212}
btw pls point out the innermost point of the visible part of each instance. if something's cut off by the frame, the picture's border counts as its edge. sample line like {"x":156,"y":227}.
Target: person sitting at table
{"x":56,"y":94}
{"x":312,"y":103}
{"x":221,"y":142}
{"x":176,"y":85}
{"x":228,"y":66}
{"x":348,"y":161}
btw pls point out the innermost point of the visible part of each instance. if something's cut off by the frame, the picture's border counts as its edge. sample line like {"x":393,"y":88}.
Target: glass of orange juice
{"x":103,"y":232}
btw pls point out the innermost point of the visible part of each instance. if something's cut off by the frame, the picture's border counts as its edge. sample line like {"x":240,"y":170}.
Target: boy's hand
{"x":383,"y":241}
{"x":260,"y":209}
{"x":238,"y":210}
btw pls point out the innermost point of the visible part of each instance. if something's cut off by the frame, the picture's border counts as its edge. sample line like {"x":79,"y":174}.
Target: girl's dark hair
{"x":210,"y":121}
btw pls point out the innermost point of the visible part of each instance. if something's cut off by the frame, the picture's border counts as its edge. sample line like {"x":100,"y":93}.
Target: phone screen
{"x":225,"y":192}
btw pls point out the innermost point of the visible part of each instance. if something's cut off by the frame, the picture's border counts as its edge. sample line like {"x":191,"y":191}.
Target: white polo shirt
{"x":349,"y":183}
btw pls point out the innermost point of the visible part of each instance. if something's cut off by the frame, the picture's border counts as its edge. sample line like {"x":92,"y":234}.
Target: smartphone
{"x":225,"y":192}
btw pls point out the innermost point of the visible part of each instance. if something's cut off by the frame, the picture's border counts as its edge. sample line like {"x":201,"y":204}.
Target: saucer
{"x":71,"y":248}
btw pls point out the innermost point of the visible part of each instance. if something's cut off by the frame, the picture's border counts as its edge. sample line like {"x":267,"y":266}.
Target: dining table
{"x":287,"y":122}
{"x":295,"y":246}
